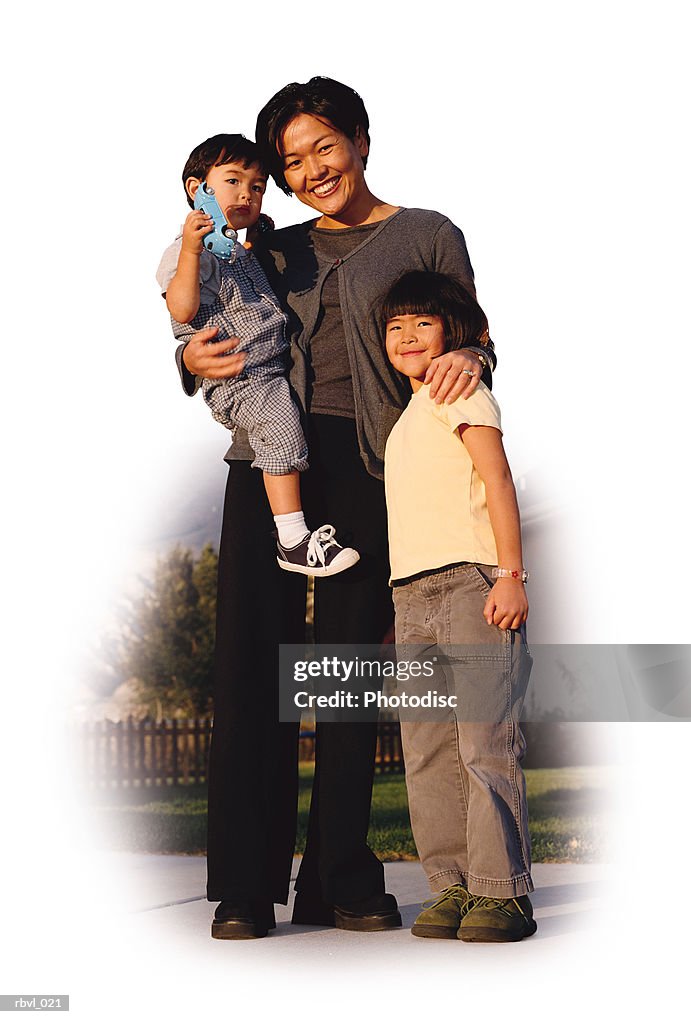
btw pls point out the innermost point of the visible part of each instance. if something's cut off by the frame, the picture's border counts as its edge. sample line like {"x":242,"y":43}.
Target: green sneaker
{"x":492,"y":920}
{"x":442,"y":917}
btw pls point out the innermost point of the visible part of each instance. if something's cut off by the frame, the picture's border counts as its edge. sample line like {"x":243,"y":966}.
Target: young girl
{"x":459,"y":583}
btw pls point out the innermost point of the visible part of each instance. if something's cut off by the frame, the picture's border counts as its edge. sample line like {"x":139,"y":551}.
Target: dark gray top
{"x":330,"y":382}
{"x":410,"y":239}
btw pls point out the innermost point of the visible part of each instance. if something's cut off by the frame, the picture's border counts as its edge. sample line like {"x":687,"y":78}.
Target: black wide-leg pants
{"x":253,"y":760}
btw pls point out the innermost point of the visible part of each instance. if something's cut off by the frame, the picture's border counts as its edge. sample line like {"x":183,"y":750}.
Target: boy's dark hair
{"x":219,"y":150}
{"x":425,"y":291}
{"x":321,"y":97}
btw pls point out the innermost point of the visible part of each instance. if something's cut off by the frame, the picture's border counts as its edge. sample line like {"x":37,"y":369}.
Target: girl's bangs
{"x":413,"y":293}
{"x":407,"y":307}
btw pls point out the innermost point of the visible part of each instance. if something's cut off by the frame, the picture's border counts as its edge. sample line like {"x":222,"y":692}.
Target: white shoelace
{"x":320,"y":541}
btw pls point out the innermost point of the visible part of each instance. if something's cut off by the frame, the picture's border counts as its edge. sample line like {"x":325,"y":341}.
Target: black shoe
{"x":243,"y":919}
{"x":317,"y":554}
{"x":376,"y":914}
{"x":309,"y":909}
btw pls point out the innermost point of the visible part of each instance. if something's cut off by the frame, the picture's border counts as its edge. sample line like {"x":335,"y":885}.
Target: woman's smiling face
{"x":323,"y":167}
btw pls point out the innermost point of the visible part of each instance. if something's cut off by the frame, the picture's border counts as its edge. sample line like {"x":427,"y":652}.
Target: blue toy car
{"x":222,"y":239}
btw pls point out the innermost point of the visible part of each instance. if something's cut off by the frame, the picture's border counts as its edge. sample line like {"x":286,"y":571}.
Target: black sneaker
{"x":317,"y":554}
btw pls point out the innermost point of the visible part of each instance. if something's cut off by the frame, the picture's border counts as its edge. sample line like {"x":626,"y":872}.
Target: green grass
{"x":568,"y":811}
{"x":567,"y":816}
{"x":389,"y":834}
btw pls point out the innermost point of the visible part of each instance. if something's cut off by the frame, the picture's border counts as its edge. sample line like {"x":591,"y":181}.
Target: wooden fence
{"x":175,"y":752}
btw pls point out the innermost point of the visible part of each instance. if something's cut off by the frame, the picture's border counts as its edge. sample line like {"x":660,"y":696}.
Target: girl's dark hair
{"x":425,"y":291}
{"x":321,"y":97}
{"x":218,"y":150}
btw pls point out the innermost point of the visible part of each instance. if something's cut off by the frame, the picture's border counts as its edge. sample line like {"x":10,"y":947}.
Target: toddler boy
{"x":203,"y":290}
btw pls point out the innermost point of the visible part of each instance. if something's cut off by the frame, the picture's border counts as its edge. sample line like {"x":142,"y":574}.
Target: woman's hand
{"x":507,"y":604}
{"x":453,"y":375}
{"x":214,"y":360}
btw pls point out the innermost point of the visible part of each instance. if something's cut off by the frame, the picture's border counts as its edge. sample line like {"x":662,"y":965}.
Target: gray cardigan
{"x":408,"y":240}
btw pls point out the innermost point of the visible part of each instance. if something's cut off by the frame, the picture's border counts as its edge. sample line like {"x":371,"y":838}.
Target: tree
{"x":168,"y":635}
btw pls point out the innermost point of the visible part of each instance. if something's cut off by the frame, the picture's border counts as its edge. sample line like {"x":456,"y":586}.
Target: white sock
{"x":292,"y":528}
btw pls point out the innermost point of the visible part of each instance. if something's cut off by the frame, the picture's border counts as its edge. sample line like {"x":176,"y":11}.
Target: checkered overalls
{"x":259,"y":399}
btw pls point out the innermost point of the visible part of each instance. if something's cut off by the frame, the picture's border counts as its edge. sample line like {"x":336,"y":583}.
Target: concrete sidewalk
{"x":167,"y":896}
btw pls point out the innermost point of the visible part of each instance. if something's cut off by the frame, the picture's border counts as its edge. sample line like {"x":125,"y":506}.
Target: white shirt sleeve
{"x":209,"y":272}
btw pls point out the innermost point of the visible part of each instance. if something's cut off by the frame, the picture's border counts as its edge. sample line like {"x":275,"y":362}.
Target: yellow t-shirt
{"x":436,"y":502}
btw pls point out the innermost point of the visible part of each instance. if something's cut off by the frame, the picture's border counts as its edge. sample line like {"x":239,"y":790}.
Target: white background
{"x":555,"y":135}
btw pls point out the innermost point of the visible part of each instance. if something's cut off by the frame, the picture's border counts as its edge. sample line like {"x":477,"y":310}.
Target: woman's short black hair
{"x":425,"y":291}
{"x":321,"y":97}
{"x":218,"y":150}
